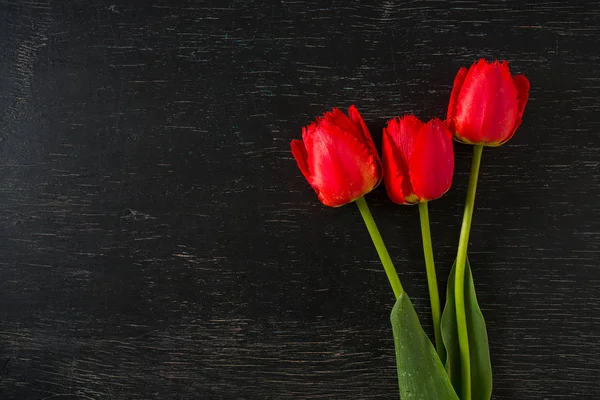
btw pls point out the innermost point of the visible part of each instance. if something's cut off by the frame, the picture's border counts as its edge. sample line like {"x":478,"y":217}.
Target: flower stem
{"x":388,"y":266}
{"x":459,"y":288}
{"x":434,"y":297}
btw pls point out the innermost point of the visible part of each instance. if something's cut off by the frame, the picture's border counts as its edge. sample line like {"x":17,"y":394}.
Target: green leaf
{"x":481,"y":367}
{"x":421,"y":374}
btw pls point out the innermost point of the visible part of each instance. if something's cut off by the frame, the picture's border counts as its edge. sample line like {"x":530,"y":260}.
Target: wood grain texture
{"x":158,"y":241}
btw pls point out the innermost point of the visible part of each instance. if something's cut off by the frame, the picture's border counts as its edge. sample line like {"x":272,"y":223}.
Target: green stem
{"x":434,"y":296}
{"x":388,"y":266}
{"x":459,"y":288}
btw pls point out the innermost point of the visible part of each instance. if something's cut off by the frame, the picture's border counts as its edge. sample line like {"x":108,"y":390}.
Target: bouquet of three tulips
{"x":338,"y":158}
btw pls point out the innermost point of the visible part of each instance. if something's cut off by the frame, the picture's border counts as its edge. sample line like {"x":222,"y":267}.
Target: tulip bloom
{"x":338,"y":157}
{"x":418,"y":159}
{"x":486,"y":104}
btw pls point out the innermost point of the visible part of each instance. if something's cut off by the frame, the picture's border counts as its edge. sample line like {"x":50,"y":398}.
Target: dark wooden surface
{"x":158,"y":241}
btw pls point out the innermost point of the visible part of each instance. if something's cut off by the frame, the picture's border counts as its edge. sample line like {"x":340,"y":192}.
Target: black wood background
{"x":158,"y":241}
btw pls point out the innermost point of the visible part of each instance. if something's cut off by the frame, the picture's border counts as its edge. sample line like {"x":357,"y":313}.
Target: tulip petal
{"x":299,"y":153}
{"x":398,"y":138}
{"x":431,"y":165}
{"x":395,"y":171}
{"x":337,"y":118}
{"x":358,"y":120}
{"x":522,"y":85}
{"x":487,"y":104}
{"x":409,"y":129}
{"x":341,"y":166}
{"x":352,"y":123}
{"x":472,"y":102}
{"x":501,"y":116}
{"x":458,"y":82}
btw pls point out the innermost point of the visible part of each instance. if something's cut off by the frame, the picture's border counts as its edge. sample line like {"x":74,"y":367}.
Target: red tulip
{"x":487,"y":103}
{"x":338,"y":157}
{"x":418,"y":159}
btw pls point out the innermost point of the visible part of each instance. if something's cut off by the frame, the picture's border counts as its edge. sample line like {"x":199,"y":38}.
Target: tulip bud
{"x":338,"y":157}
{"x":418,"y":159}
{"x":486,"y":104}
